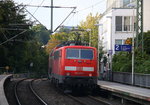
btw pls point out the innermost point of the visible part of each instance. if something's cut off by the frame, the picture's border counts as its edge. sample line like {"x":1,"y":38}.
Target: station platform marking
{"x":1,"y":77}
{"x":129,"y":90}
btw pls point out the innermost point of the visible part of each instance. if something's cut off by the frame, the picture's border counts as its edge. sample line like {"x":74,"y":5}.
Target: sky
{"x":84,"y":7}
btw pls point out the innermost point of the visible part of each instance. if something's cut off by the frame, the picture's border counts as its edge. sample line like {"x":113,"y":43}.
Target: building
{"x":118,"y":20}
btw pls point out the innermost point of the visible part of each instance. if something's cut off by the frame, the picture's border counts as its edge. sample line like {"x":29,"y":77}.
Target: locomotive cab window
{"x":86,"y":54}
{"x":56,"y":55}
{"x":79,"y":53}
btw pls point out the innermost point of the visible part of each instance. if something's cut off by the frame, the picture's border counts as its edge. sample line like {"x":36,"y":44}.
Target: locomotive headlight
{"x":90,"y":75}
{"x":67,"y":74}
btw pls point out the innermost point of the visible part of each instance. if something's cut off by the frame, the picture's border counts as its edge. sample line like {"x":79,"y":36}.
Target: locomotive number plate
{"x":79,"y":68}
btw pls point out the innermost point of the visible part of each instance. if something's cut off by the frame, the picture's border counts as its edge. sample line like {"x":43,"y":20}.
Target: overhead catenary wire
{"x":35,"y":12}
{"x":47,"y":6}
{"x":4,"y":35}
{"x":13,"y":37}
{"x":71,"y":17}
{"x":30,"y":2}
{"x":32,"y":15}
{"x":65,"y":19}
{"x":92,"y":6}
{"x":38,"y":7}
{"x":14,"y":29}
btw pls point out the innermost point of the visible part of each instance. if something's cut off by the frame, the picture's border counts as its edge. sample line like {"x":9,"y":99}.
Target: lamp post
{"x":111,"y":51}
{"x":133,"y":8}
{"x":98,"y":44}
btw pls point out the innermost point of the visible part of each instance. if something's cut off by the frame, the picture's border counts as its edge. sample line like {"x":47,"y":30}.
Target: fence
{"x":142,"y":80}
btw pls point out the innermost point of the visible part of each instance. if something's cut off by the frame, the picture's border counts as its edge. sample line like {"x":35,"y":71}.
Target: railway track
{"x":89,"y":100}
{"x":25,"y":94}
{"x":100,"y":100}
{"x":86,"y":100}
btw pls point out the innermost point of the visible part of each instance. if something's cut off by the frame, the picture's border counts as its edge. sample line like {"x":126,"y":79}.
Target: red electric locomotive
{"x":73,"y":66}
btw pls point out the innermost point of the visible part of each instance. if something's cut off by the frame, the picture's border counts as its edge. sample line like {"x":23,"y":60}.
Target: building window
{"x":125,"y":2}
{"x":118,"y":23}
{"x":119,"y":41}
{"x":124,"y":23}
{"x":127,"y":22}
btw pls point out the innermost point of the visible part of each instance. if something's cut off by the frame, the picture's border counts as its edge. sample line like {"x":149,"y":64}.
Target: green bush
{"x":122,"y":62}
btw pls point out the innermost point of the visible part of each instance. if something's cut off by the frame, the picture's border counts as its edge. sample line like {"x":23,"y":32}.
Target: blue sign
{"x":118,"y":47}
{"x":126,"y":48}
{"x":123,"y":48}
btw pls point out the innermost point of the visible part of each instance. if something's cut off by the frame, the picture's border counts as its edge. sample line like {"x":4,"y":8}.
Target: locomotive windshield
{"x":79,"y":53}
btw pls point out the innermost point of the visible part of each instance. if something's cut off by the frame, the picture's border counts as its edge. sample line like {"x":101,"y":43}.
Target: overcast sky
{"x":84,"y":7}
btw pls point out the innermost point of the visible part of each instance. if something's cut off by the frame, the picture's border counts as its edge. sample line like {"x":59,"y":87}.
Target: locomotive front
{"x":79,"y":65}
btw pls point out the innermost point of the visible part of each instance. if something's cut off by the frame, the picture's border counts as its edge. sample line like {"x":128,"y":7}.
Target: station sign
{"x":123,"y":48}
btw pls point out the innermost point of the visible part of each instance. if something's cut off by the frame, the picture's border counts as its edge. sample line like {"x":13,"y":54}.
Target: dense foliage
{"x":20,"y":46}
{"x":41,"y":34}
{"x":91,"y":27}
{"x":122,"y":61}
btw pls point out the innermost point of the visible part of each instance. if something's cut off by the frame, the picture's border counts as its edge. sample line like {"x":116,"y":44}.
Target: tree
{"x":56,"y":39}
{"x":89,"y":25}
{"x":41,"y":33}
{"x":11,"y":17}
{"x":147,"y":42}
{"x":23,"y":48}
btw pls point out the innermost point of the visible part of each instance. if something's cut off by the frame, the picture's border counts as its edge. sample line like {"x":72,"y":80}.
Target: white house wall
{"x":121,"y":35}
{"x":104,"y":31}
{"x":108,"y":28}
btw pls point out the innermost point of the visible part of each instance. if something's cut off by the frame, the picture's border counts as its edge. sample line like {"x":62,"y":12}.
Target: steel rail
{"x":100,"y":100}
{"x":70,"y":96}
{"x":33,"y":92}
{"x":76,"y":99}
{"x":16,"y":94}
{"x":37,"y":96}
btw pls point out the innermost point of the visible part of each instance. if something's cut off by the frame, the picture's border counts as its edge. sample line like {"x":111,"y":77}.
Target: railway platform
{"x":129,"y":92}
{"x":3,"y":100}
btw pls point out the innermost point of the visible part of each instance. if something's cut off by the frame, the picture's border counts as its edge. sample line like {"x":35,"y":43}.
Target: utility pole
{"x":139,"y":26}
{"x":51,"y":16}
{"x":52,"y":7}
